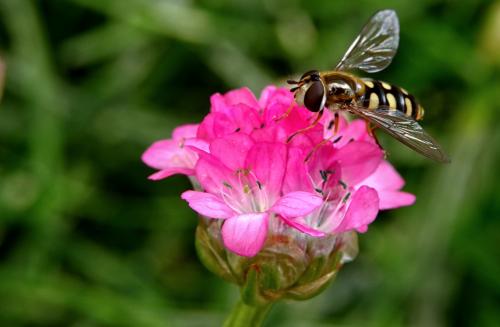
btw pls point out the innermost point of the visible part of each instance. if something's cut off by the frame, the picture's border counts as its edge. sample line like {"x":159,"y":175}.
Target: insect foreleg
{"x":303,"y":130}
{"x":286,"y":113}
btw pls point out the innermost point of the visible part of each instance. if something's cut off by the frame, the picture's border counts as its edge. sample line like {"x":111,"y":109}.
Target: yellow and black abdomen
{"x":381,"y":94}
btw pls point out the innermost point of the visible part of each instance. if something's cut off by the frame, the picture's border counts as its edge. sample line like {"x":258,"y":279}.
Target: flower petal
{"x":159,"y":153}
{"x":167,"y":172}
{"x":195,"y":145}
{"x":215,"y":124}
{"x":207,"y":204}
{"x":395,"y":199}
{"x":271,"y":92}
{"x":245,"y":234}
{"x":296,"y":204}
{"x":225,"y":103}
{"x":358,"y":161}
{"x":296,"y":178}
{"x":354,"y":131}
{"x":385,"y":178}
{"x":185,"y":131}
{"x":362,"y":210}
{"x":212,"y":174}
{"x":241,"y":96}
{"x":268,"y":162}
{"x":232,"y":149}
{"x":300,"y":225}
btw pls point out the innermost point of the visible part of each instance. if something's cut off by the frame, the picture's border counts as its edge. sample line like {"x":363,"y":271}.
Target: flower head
{"x":262,"y":196}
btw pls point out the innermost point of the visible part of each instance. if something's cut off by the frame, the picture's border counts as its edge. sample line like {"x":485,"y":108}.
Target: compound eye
{"x":314,"y":74}
{"x":314,"y":99}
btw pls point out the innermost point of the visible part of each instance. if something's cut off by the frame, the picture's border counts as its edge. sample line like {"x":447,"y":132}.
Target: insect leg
{"x":337,"y":121}
{"x":335,"y":126}
{"x":303,"y":130}
{"x":371,"y":131}
{"x":316,"y":147}
{"x":286,"y":113}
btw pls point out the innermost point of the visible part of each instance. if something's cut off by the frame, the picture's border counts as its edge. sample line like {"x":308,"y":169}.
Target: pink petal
{"x":213,"y":175}
{"x":207,"y":204}
{"x":272,"y":133}
{"x":159,"y":153}
{"x":237,"y":118}
{"x":232,"y":149}
{"x":354,"y":131}
{"x":241,"y":96}
{"x":296,"y":204}
{"x":275,"y":102}
{"x":245,"y":118}
{"x":215,"y":125}
{"x":362,"y":210}
{"x":218,"y":104}
{"x":395,"y":199}
{"x":300,"y":225}
{"x":167,"y":172}
{"x":329,"y":127}
{"x":323,"y":161}
{"x":185,"y":131}
{"x":224,"y":103}
{"x":385,"y":178}
{"x":268,"y":162}
{"x":267,"y":95}
{"x":197,"y":144}
{"x":245,"y":234}
{"x":358,"y":160}
{"x":296,"y":178}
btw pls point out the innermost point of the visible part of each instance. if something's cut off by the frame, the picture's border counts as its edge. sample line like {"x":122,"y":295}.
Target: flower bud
{"x":291,"y":264}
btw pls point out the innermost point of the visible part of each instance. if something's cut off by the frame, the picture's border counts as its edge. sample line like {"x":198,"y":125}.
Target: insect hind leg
{"x":370,"y":128}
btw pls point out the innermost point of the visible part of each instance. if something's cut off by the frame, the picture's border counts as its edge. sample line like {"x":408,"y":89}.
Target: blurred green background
{"x":87,"y":240}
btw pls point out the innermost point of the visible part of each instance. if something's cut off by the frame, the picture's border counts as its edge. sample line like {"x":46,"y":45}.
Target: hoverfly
{"x":386,"y":106}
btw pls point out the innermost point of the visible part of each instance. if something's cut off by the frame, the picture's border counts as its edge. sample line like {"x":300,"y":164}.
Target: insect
{"x":381,"y":104}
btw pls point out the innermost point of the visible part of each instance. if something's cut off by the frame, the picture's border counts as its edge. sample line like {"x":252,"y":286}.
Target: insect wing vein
{"x":404,"y":129}
{"x":375,"y":46}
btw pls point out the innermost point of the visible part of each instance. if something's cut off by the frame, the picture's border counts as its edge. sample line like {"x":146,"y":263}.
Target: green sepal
{"x":250,"y":290}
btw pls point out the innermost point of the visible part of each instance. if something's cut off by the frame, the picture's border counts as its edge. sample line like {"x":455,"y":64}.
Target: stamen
{"x":337,"y":139}
{"x":330,"y":124}
{"x":324,"y":175}
{"x":344,"y":185}
{"x":344,"y":200}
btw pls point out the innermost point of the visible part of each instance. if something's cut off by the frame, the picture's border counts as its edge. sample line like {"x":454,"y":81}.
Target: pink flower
{"x":388,"y":183}
{"x":242,"y":180}
{"x":247,"y":173}
{"x":172,"y":156}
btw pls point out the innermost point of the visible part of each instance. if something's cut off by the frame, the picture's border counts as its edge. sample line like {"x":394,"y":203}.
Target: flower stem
{"x":244,"y":315}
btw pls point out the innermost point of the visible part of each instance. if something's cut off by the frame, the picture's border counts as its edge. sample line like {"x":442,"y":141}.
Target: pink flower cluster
{"x":246,"y":172}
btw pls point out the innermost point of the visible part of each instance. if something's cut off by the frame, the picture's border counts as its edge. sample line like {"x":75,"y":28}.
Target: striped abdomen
{"x":379,"y":93}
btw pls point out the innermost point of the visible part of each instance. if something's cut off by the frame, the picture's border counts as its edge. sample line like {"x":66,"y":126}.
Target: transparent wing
{"x":375,"y":46}
{"x":404,"y":129}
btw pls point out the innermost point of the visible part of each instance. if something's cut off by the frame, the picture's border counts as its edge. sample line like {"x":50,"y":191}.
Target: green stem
{"x":244,"y":315}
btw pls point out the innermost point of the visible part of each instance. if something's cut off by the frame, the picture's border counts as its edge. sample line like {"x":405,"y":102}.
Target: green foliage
{"x":87,"y":240}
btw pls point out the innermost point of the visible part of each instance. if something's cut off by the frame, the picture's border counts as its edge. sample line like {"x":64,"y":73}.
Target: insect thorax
{"x":342,"y":87}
